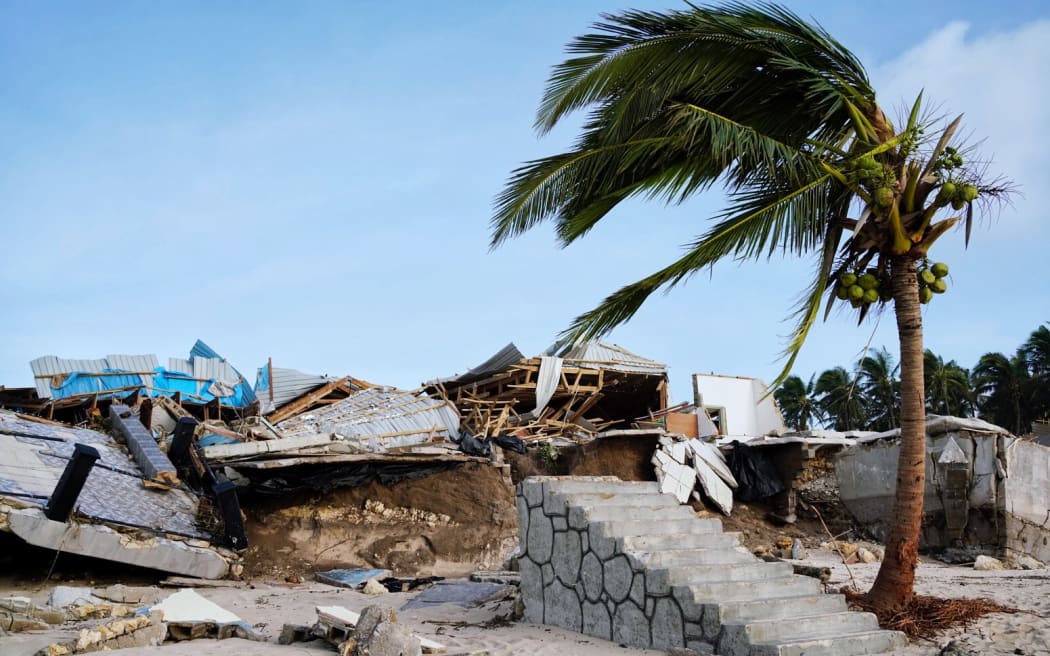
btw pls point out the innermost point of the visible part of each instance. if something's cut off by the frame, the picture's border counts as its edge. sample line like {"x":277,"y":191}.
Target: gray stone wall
{"x":575,"y":577}
{"x":1027,"y":499}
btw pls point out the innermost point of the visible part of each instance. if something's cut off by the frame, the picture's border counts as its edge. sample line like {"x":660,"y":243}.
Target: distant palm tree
{"x":1004,"y":391}
{"x":775,"y":109}
{"x":948,"y":389}
{"x":798,"y":403}
{"x":840,"y":399}
{"x":877,"y":378}
{"x":1036,"y":352}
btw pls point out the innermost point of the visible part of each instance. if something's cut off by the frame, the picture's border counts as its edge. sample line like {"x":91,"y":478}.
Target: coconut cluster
{"x":932,"y":281}
{"x":862,"y":288}
{"x":953,"y":192}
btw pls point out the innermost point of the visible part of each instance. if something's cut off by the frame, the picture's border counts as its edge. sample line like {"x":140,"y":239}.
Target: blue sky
{"x":313,"y":182}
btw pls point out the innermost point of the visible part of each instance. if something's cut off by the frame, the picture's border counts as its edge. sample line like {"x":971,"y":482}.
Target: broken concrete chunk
{"x":62,"y":596}
{"x":987,"y":563}
{"x":373,"y":587}
{"x":378,"y":634}
{"x":188,"y":606}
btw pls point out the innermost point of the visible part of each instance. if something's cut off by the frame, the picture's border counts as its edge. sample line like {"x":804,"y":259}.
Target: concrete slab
{"x":351,"y":578}
{"x":458,"y":592}
{"x":103,"y":542}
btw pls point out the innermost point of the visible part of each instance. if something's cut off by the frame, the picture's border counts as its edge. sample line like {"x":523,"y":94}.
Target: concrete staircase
{"x":620,"y":561}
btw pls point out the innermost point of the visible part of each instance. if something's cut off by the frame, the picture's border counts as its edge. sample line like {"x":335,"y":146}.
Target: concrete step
{"x":569,"y":486}
{"x":675,"y":541}
{"x":561,"y":502}
{"x":756,"y":570}
{"x":854,"y":644}
{"x":719,"y":591}
{"x":635,"y":527}
{"x":780,"y":630}
{"x":675,"y":557}
{"x":779,"y":607}
{"x":580,"y":517}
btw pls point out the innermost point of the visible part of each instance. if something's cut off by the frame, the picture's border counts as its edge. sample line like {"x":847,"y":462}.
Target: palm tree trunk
{"x":894,"y":584}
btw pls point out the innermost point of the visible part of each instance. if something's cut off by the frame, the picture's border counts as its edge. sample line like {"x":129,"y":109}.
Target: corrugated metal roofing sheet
{"x":48,"y":367}
{"x":287,"y":385}
{"x":388,"y":417}
{"x":500,"y":361}
{"x":606,"y":356}
{"x":50,"y":373}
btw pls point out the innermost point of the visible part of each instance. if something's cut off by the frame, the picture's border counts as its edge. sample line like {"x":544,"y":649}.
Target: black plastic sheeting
{"x":325,"y":478}
{"x":756,"y":475}
{"x":473,"y":446}
{"x":510,"y":442}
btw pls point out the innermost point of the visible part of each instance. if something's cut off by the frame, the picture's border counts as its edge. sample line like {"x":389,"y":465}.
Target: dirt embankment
{"x":625,"y":457}
{"x":448,"y":523}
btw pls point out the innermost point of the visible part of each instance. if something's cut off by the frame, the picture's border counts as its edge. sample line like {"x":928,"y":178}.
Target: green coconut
{"x":925,"y":295}
{"x":842,"y":292}
{"x":939,"y":286}
{"x":884,"y":197}
{"x":856,"y":292}
{"x":871,"y":295}
{"x":946,"y":193}
{"x":868,"y":281}
{"x":868,"y":163}
{"x":927,"y":276}
{"x":968,"y":192}
{"x":940,"y":269}
{"x":848,"y":279}
{"x":958,"y":203}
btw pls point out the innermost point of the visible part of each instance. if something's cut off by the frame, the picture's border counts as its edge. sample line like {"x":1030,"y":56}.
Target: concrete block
{"x":592,"y":576}
{"x":142,"y":445}
{"x":717,"y":591}
{"x":567,"y":555}
{"x":622,"y":528}
{"x":668,"y":629}
{"x":651,"y":543}
{"x":618,"y":578}
{"x":871,"y":642}
{"x":737,"y":638}
{"x":540,"y":539}
{"x":561,"y":607}
{"x":596,"y":620}
{"x":630,"y":626}
{"x":531,"y":590}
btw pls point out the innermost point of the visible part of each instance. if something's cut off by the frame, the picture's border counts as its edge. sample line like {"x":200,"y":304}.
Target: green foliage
{"x":1011,"y":392}
{"x":549,"y":455}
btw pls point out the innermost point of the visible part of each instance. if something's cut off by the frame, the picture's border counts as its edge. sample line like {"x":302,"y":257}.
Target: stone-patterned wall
{"x":574,"y":577}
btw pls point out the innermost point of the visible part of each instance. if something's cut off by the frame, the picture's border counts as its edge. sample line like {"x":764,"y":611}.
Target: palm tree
{"x":771,"y":107}
{"x":841,"y":400}
{"x":798,"y":403}
{"x":1004,"y":391}
{"x":948,"y":390}
{"x":878,"y":380}
{"x":1036,"y":352}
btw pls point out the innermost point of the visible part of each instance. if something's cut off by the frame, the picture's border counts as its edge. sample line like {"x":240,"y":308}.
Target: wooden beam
{"x":300,"y":404}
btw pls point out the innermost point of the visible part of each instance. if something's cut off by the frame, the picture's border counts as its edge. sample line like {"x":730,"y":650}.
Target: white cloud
{"x":1000,"y":81}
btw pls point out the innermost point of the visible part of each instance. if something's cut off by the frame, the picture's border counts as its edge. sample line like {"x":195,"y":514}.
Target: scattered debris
{"x":190,"y":617}
{"x":351,"y":578}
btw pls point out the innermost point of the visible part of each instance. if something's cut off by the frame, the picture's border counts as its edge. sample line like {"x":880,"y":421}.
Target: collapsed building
{"x":341,"y":471}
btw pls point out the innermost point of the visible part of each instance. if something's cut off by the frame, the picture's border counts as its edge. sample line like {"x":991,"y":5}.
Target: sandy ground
{"x":480,"y":630}
{"x":1027,"y":632}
